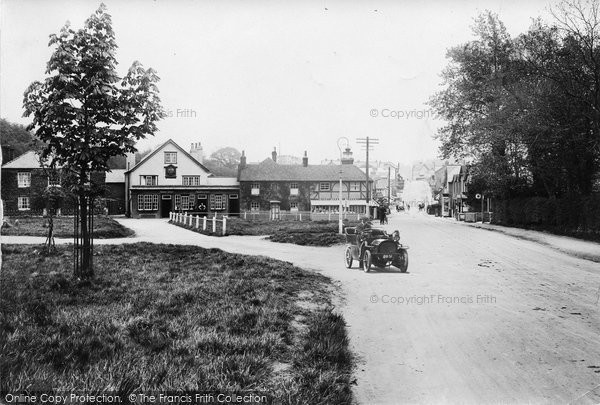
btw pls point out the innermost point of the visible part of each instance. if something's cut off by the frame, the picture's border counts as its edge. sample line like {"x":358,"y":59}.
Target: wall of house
{"x":39,"y":182}
{"x":307,"y":191}
{"x":200,"y":201}
{"x":155,"y":166}
{"x":275,"y":190}
{"x":115,"y":198}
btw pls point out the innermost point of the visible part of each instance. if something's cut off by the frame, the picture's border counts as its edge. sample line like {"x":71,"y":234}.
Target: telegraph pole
{"x":367,"y":144}
{"x":389,"y":185}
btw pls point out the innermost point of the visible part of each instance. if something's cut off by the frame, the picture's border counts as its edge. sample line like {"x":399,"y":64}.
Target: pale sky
{"x":261,"y":74}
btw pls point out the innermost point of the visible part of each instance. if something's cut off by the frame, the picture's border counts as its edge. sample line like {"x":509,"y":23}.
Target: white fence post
{"x":204,"y":223}
{"x":170,"y":216}
{"x":245,"y":213}
{"x":300,"y":217}
{"x":214,"y":221}
{"x":224,"y":224}
{"x":197,"y":221}
{"x":329,"y":216}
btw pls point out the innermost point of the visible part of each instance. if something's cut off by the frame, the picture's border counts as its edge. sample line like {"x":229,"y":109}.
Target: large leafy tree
{"x":526,"y":110}
{"x":224,"y":161}
{"x":84,"y":113}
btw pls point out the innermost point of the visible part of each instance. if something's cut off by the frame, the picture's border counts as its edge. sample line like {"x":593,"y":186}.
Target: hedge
{"x":577,"y":216}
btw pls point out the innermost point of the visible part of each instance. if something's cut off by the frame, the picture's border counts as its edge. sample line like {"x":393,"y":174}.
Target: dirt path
{"x":481,"y":317}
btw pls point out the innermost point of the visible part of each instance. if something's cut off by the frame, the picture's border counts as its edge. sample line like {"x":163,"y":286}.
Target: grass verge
{"x":165,"y":317}
{"x":104,"y":227}
{"x":311,"y":233}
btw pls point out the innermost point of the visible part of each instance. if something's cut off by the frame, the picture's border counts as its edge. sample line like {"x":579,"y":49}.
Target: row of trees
{"x":526,"y":110}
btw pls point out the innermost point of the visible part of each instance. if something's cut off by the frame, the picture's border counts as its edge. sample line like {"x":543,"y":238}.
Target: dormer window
{"x":170,"y":158}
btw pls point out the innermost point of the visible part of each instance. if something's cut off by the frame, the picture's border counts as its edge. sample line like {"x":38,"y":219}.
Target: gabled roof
{"x":155,"y":151}
{"x":268,"y":170}
{"x":28,"y":160}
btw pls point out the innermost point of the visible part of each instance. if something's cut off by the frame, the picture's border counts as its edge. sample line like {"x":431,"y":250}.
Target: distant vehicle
{"x":375,"y":247}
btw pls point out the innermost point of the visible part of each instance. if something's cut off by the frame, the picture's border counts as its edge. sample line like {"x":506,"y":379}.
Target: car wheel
{"x":348,"y":257}
{"x":367,"y":261}
{"x":402,"y":262}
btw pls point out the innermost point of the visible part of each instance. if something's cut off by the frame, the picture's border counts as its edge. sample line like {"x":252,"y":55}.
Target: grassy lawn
{"x":104,"y":227}
{"x":312,"y":233}
{"x":164,"y":317}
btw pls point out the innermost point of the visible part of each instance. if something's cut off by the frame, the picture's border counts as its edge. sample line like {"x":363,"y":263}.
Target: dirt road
{"x":481,"y":317}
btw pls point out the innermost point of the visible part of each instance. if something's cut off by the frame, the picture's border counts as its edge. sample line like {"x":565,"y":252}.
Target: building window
{"x":355,"y":186}
{"x":170,"y":158}
{"x":233,"y":196}
{"x":185,"y":203}
{"x":148,"y":202}
{"x":293,"y":188}
{"x":148,"y":180}
{"x":324,"y":187}
{"x":23,"y":203}
{"x":217,"y":202}
{"x":24,"y":179}
{"x":202,"y":196}
{"x":177,"y":201}
{"x":254,"y":206}
{"x":166,"y":197}
{"x":54,"y":181}
{"x":191,"y":180}
{"x":293,"y":206}
{"x":255,"y":188}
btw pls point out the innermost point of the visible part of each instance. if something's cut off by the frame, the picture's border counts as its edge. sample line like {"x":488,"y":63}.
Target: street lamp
{"x":340,"y":208}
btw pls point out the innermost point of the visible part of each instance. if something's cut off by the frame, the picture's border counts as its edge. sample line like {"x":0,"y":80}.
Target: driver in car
{"x":363,"y":225}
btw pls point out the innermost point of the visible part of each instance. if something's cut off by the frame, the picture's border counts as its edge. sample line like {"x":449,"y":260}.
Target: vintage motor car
{"x":375,"y":247}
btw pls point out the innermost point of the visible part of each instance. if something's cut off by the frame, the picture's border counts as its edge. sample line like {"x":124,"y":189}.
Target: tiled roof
{"x":268,"y":170}
{"x":28,"y":160}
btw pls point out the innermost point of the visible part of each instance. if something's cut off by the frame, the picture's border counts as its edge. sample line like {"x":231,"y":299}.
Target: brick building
{"x":24,"y":182}
{"x":301,"y":187}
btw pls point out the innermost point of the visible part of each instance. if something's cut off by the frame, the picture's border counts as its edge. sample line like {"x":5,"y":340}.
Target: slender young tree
{"x":84,"y":113}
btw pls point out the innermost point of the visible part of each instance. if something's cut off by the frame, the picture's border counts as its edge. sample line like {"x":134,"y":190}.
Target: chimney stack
{"x":242,"y":164}
{"x":274,"y":155}
{"x":129,"y":160}
{"x":197,"y":152}
{"x":305,"y":160}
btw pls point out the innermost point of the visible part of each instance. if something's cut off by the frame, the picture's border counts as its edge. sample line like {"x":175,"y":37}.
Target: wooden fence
{"x":297,"y":216}
{"x":198,"y":222}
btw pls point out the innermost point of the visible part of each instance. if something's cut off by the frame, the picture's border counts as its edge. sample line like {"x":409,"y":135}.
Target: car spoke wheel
{"x":367,"y":261}
{"x":348,"y":257}
{"x":402,"y":261}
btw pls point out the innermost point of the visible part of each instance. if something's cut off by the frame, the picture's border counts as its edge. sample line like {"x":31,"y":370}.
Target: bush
{"x":577,"y":216}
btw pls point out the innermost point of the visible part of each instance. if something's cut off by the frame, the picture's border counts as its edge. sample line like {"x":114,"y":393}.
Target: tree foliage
{"x":15,"y":140}
{"x":224,"y":161}
{"x":526,"y":110}
{"x":84,"y":113}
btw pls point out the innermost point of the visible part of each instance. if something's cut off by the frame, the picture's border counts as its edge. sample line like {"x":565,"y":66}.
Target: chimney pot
{"x":305,"y":160}
{"x":274,"y":155}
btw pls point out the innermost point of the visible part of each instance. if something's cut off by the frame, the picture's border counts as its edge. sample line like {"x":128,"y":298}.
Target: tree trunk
{"x":85,"y":270}
{"x":50,"y":247}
